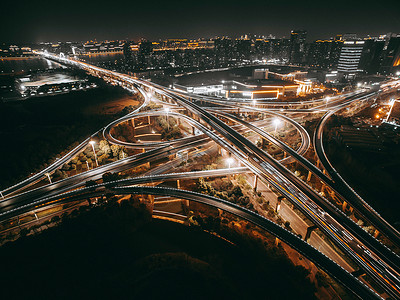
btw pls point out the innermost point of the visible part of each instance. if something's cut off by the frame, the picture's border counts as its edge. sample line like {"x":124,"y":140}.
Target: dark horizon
{"x":29,"y":22}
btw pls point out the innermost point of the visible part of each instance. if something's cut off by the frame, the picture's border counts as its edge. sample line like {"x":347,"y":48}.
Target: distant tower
{"x":145,"y":50}
{"x":297,"y":46}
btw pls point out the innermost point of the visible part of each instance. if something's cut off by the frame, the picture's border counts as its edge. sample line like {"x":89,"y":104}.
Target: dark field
{"x":34,"y":131}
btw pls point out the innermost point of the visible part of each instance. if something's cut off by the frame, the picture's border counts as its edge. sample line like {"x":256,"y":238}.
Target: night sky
{"x":37,"y":21}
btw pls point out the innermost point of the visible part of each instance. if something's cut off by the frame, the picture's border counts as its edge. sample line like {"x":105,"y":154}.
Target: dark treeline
{"x":116,"y":251}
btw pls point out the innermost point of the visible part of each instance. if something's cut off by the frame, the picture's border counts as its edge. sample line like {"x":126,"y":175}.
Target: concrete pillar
{"x":193,"y":132}
{"x":376,"y":233}
{"x":264,"y":142}
{"x":133,"y":126}
{"x":178,"y":184}
{"x":255,"y":182}
{"x":309,"y":176}
{"x":278,"y":203}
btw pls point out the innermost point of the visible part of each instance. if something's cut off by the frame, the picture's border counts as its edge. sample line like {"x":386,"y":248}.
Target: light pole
{"x":94,"y":151}
{"x":167,"y":111}
{"x":48,"y":176}
{"x":276,"y":122}
{"x":327,"y":100}
{"x":229,"y":160}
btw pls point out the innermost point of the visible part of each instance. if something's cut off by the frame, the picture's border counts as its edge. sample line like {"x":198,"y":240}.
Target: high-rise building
{"x":371,"y":57}
{"x":323,"y":53}
{"x":391,"y":56}
{"x":350,"y":56}
{"x":297,"y":46}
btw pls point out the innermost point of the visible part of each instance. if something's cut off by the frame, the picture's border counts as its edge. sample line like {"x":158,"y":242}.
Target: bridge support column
{"x":309,"y":231}
{"x":193,"y":132}
{"x":323,"y":188}
{"x":376,"y":233}
{"x":255,"y":182}
{"x":178,"y":184}
{"x":309,"y":176}
{"x":133,"y":126}
{"x":263,"y":143}
{"x":277,"y":241}
{"x":278,"y":203}
{"x":149,"y":120}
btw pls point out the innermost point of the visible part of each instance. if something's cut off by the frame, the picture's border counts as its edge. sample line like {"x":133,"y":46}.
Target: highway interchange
{"x":369,"y":254}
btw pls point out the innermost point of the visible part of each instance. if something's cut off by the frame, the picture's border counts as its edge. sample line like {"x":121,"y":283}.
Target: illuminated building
{"x":265,"y":84}
{"x":350,"y":56}
{"x":324,"y":53}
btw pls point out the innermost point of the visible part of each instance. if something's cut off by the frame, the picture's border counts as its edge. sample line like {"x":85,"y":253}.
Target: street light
{"x":94,"y":151}
{"x":276,"y":122}
{"x":327,"y":100}
{"x":48,"y":176}
{"x":229,"y":160}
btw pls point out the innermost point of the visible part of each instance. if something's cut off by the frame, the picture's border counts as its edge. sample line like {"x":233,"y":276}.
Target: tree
{"x":115,"y":150}
{"x":90,"y":183}
{"x":236,"y":191}
{"x":108,"y":177}
{"x":103,"y":144}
